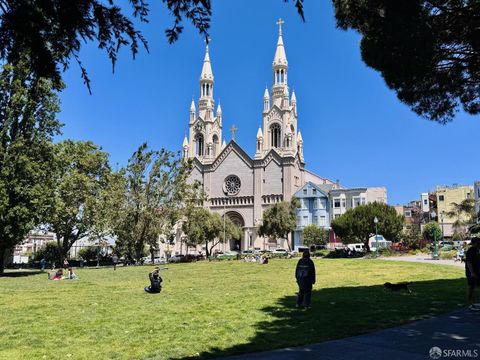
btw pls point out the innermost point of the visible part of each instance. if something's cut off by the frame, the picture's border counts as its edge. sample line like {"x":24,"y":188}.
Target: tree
{"x":464,"y":214}
{"x":433,"y":62}
{"x":155,"y":187}
{"x":53,"y":31}
{"x":81,"y":177}
{"x":203,"y":227}
{"x":28,"y":121}
{"x":279,"y":220}
{"x":50,"y":252}
{"x":356,"y":225}
{"x":432,"y":231}
{"x":314,"y":235}
{"x":411,"y":237}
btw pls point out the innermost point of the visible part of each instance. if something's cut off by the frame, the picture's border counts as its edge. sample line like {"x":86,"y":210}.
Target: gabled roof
{"x":321,"y":191}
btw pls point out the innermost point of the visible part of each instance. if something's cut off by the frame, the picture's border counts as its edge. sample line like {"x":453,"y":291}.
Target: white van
{"x":360,"y":247}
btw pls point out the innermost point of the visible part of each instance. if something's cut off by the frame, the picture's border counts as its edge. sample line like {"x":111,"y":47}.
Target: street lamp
{"x":375,"y":220}
{"x":433,"y":215}
{"x":441,"y":222}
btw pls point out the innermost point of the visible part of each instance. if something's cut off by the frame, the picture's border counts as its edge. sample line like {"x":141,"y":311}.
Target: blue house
{"x":314,"y":209}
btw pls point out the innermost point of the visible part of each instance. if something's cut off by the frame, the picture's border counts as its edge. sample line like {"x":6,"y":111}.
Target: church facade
{"x":238,"y":185}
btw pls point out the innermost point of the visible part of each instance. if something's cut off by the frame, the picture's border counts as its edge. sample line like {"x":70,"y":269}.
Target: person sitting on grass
{"x":71,"y":275}
{"x":58,"y":275}
{"x":155,"y":281}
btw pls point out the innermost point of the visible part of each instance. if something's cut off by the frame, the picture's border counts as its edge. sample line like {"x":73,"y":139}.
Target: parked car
{"x":280,"y":251}
{"x":177,"y":259}
{"x":247,"y":252}
{"x":360,"y":247}
{"x":229,"y":255}
{"x":446,"y":245}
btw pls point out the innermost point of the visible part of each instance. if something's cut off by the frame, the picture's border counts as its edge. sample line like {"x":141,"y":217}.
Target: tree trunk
{"x":2,"y":259}
{"x":152,"y":255}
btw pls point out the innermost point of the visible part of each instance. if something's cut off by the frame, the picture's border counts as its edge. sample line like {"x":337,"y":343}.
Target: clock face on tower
{"x":232,"y":185}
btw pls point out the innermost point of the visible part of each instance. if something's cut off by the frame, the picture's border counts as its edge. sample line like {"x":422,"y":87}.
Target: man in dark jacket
{"x":305,"y":275}
{"x":155,"y":281}
{"x":472,"y":271}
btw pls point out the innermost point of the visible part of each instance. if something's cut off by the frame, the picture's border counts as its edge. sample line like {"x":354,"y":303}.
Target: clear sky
{"x":354,"y":128}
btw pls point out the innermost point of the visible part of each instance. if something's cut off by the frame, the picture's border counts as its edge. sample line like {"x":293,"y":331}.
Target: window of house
{"x":315,"y":220}
{"x":337,"y":216}
{"x":305,"y":220}
{"x":407,"y":213}
{"x":344,"y":203}
{"x":314,"y":191}
{"x":363,"y":201}
{"x":425,"y":201}
{"x":441,"y":198}
{"x":322,"y":221}
{"x":304,"y":191}
{"x":356,"y":201}
{"x":336,"y":203}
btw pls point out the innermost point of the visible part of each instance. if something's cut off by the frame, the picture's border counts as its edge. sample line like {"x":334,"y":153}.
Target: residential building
{"x":476,"y":187}
{"x":446,"y":196}
{"x":321,"y":203}
{"x":35,"y":240}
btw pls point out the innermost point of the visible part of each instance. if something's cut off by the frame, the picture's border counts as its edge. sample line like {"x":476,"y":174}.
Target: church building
{"x":238,"y":185}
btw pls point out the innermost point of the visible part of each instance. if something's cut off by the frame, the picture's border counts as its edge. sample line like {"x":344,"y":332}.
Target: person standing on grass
{"x":472,"y":271}
{"x":305,"y":275}
{"x":115,"y":261}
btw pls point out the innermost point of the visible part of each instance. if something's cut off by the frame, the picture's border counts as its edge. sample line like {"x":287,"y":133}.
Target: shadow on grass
{"x":347,"y":311}
{"x":21,"y":273}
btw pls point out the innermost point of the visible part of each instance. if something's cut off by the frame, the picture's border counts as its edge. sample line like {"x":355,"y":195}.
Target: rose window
{"x":232,"y":185}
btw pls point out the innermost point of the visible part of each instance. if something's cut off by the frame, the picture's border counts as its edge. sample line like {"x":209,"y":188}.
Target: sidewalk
{"x":425,"y":258}
{"x":456,"y":335}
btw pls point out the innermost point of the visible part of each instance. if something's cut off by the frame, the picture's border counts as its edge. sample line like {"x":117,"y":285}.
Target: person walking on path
{"x":42,"y":264}
{"x":305,"y":275}
{"x":472,"y":271}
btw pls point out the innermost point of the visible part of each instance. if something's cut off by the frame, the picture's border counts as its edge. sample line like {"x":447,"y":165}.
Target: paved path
{"x":458,"y":331}
{"x":425,"y":258}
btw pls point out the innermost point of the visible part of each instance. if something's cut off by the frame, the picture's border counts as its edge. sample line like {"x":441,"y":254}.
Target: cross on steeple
{"x":280,"y":22}
{"x":233,"y":129}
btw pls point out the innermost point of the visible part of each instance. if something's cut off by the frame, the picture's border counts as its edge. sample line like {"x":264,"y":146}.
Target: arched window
{"x":200,"y":145}
{"x":275,"y":135}
{"x":215,"y":145}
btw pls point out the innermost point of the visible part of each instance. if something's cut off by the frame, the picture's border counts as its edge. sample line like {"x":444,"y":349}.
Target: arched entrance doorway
{"x":237,"y":219}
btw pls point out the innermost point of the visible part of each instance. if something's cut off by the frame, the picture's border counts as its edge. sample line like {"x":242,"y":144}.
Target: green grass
{"x":212,"y":309}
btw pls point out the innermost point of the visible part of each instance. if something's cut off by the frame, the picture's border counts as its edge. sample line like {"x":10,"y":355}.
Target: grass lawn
{"x":212,"y":309}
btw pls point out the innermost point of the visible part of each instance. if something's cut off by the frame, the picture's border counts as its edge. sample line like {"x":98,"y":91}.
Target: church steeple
{"x":206,"y":102}
{"x":280,"y":69}
{"x":205,"y":129}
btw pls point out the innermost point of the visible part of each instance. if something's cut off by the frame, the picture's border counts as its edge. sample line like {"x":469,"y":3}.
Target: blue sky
{"x":353,"y":126}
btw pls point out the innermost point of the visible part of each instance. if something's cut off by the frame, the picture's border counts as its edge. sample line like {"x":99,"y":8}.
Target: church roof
{"x":219,"y":108}
{"x":207,"y":73}
{"x":192,"y":106}
{"x":185,"y":142}
{"x":266,"y":95}
{"x":294,"y":98}
{"x":259,"y":133}
{"x":280,"y":56}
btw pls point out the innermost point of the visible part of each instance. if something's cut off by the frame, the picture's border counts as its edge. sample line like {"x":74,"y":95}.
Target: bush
{"x":342,"y":253}
{"x":321,"y":253}
{"x":50,"y":252}
{"x":447,"y":255}
{"x":89,"y":253}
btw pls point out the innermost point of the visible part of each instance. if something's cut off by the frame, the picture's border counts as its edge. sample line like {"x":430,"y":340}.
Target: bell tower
{"x":205,"y":126}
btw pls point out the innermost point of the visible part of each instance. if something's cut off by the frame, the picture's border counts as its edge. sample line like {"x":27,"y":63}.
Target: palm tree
{"x":464,"y":214}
